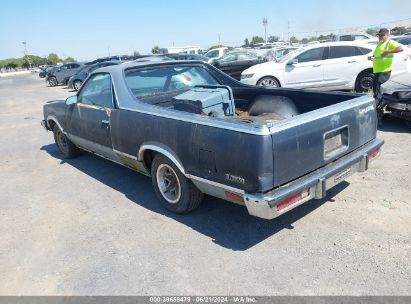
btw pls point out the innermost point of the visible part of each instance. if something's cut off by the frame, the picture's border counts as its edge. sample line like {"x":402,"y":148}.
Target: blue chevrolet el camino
{"x":197,"y":131}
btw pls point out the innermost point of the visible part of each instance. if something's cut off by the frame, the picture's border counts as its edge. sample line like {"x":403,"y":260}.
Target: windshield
{"x":290,"y":54}
{"x":153,"y":81}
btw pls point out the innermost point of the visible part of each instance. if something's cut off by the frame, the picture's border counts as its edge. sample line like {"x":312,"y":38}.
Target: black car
{"x":184,"y":56}
{"x":235,"y":62}
{"x":46,"y":70}
{"x":76,"y":81}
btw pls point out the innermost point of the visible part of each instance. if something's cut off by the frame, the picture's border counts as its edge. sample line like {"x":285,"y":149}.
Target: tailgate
{"x":309,"y":141}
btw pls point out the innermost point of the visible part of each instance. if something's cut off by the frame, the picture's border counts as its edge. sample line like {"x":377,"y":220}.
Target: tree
{"x":53,"y":58}
{"x":69,"y":59}
{"x":11,"y":66}
{"x":215,"y":46}
{"x":399,"y":30}
{"x":304,"y":41}
{"x":136,"y":53}
{"x":272,"y":39}
{"x":371,"y":31}
{"x":246,"y":42}
{"x":293,"y":39}
{"x":25,"y":64}
{"x":257,"y":39}
{"x":155,"y":50}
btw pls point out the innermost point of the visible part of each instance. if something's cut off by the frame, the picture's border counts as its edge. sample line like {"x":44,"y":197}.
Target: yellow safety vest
{"x":383,"y":63}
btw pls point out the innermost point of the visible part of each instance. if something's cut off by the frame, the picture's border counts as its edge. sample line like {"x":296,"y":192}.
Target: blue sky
{"x":88,"y":29}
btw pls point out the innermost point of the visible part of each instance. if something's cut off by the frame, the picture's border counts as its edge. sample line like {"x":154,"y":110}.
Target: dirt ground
{"x":90,"y":227}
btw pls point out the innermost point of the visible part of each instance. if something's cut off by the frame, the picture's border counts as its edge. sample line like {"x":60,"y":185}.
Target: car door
{"x":89,"y":118}
{"x":343,"y":64}
{"x":307,"y":70}
{"x":244,"y":61}
{"x":61,"y":72}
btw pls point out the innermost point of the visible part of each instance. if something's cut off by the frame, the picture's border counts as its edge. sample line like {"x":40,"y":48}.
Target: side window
{"x":95,"y":67}
{"x":74,"y":66}
{"x":97,"y":91}
{"x":360,"y":37}
{"x":311,"y":55}
{"x":213,"y":54}
{"x":362,"y":50}
{"x":342,"y":51}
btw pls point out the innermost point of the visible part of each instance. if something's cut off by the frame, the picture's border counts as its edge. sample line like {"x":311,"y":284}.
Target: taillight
{"x":373,"y":154}
{"x":234,"y":197}
{"x":292,"y":200}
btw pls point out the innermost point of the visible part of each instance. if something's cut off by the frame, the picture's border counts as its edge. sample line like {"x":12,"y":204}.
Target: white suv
{"x":325,"y":66}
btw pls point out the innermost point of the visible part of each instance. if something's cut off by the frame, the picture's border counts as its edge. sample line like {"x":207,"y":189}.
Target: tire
{"x":77,"y":84}
{"x":175,"y":192}
{"x":280,"y":105}
{"x":66,"y":147}
{"x":364,"y":82}
{"x":52,"y":81}
{"x":269,"y":82}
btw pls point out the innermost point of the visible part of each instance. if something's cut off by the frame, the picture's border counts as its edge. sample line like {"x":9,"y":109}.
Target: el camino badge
{"x":235,"y":179}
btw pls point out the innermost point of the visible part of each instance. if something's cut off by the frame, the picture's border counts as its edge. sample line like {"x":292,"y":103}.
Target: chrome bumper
{"x":264,"y":205}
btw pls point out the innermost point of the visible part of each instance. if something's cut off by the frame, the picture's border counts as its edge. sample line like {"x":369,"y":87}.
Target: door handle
{"x":316,"y":65}
{"x":105,"y":124}
{"x":352,"y":61}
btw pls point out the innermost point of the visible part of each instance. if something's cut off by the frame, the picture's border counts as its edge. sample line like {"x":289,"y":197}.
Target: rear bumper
{"x":314,"y":185}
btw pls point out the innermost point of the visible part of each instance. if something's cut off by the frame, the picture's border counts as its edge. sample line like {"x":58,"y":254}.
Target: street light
{"x":265,"y":21}
{"x":25,"y":53}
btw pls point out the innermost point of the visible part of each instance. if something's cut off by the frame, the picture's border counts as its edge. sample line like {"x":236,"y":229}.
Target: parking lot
{"x":87,"y":226}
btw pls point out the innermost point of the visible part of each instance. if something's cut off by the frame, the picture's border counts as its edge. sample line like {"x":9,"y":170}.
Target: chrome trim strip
{"x":125,"y":154}
{"x":255,"y":130}
{"x":53,"y":118}
{"x":282,"y":125}
{"x":215,"y":184}
{"x":162,"y":151}
{"x":85,"y":105}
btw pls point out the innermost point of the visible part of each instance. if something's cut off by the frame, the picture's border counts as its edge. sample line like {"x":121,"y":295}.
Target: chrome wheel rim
{"x":268,"y":82}
{"x":62,"y":141}
{"x":168,"y":183}
{"x":77,"y":85}
{"x":52,"y":82}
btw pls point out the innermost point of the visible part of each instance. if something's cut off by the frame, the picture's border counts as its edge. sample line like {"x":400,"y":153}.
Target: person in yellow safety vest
{"x":382,"y":61}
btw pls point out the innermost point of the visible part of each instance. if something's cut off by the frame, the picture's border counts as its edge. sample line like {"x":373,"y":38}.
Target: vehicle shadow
{"x":227,"y":224}
{"x":394,"y":125}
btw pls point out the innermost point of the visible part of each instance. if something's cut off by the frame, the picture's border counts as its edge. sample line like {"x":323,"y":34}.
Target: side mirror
{"x":71,"y":100}
{"x":292,"y":62}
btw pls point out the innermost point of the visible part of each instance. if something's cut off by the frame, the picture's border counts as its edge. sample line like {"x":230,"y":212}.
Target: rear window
{"x":153,"y":81}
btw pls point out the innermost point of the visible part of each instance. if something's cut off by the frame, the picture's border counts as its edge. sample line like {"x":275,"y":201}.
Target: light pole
{"x":25,"y":53}
{"x":265,"y":21}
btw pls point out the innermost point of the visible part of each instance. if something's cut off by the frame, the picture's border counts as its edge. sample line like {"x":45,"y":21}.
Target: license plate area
{"x":335,"y":142}
{"x":341,"y":176}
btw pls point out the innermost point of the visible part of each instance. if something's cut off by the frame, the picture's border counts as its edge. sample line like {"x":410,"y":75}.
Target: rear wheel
{"x":364,"y":82}
{"x":268,"y":81}
{"x":175,"y":192}
{"x":65,"y":146}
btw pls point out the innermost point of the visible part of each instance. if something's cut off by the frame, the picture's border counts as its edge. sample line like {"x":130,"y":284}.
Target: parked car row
{"x":325,"y":66}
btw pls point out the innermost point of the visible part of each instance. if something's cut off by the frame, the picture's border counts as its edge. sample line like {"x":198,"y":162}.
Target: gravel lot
{"x":90,"y":227}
